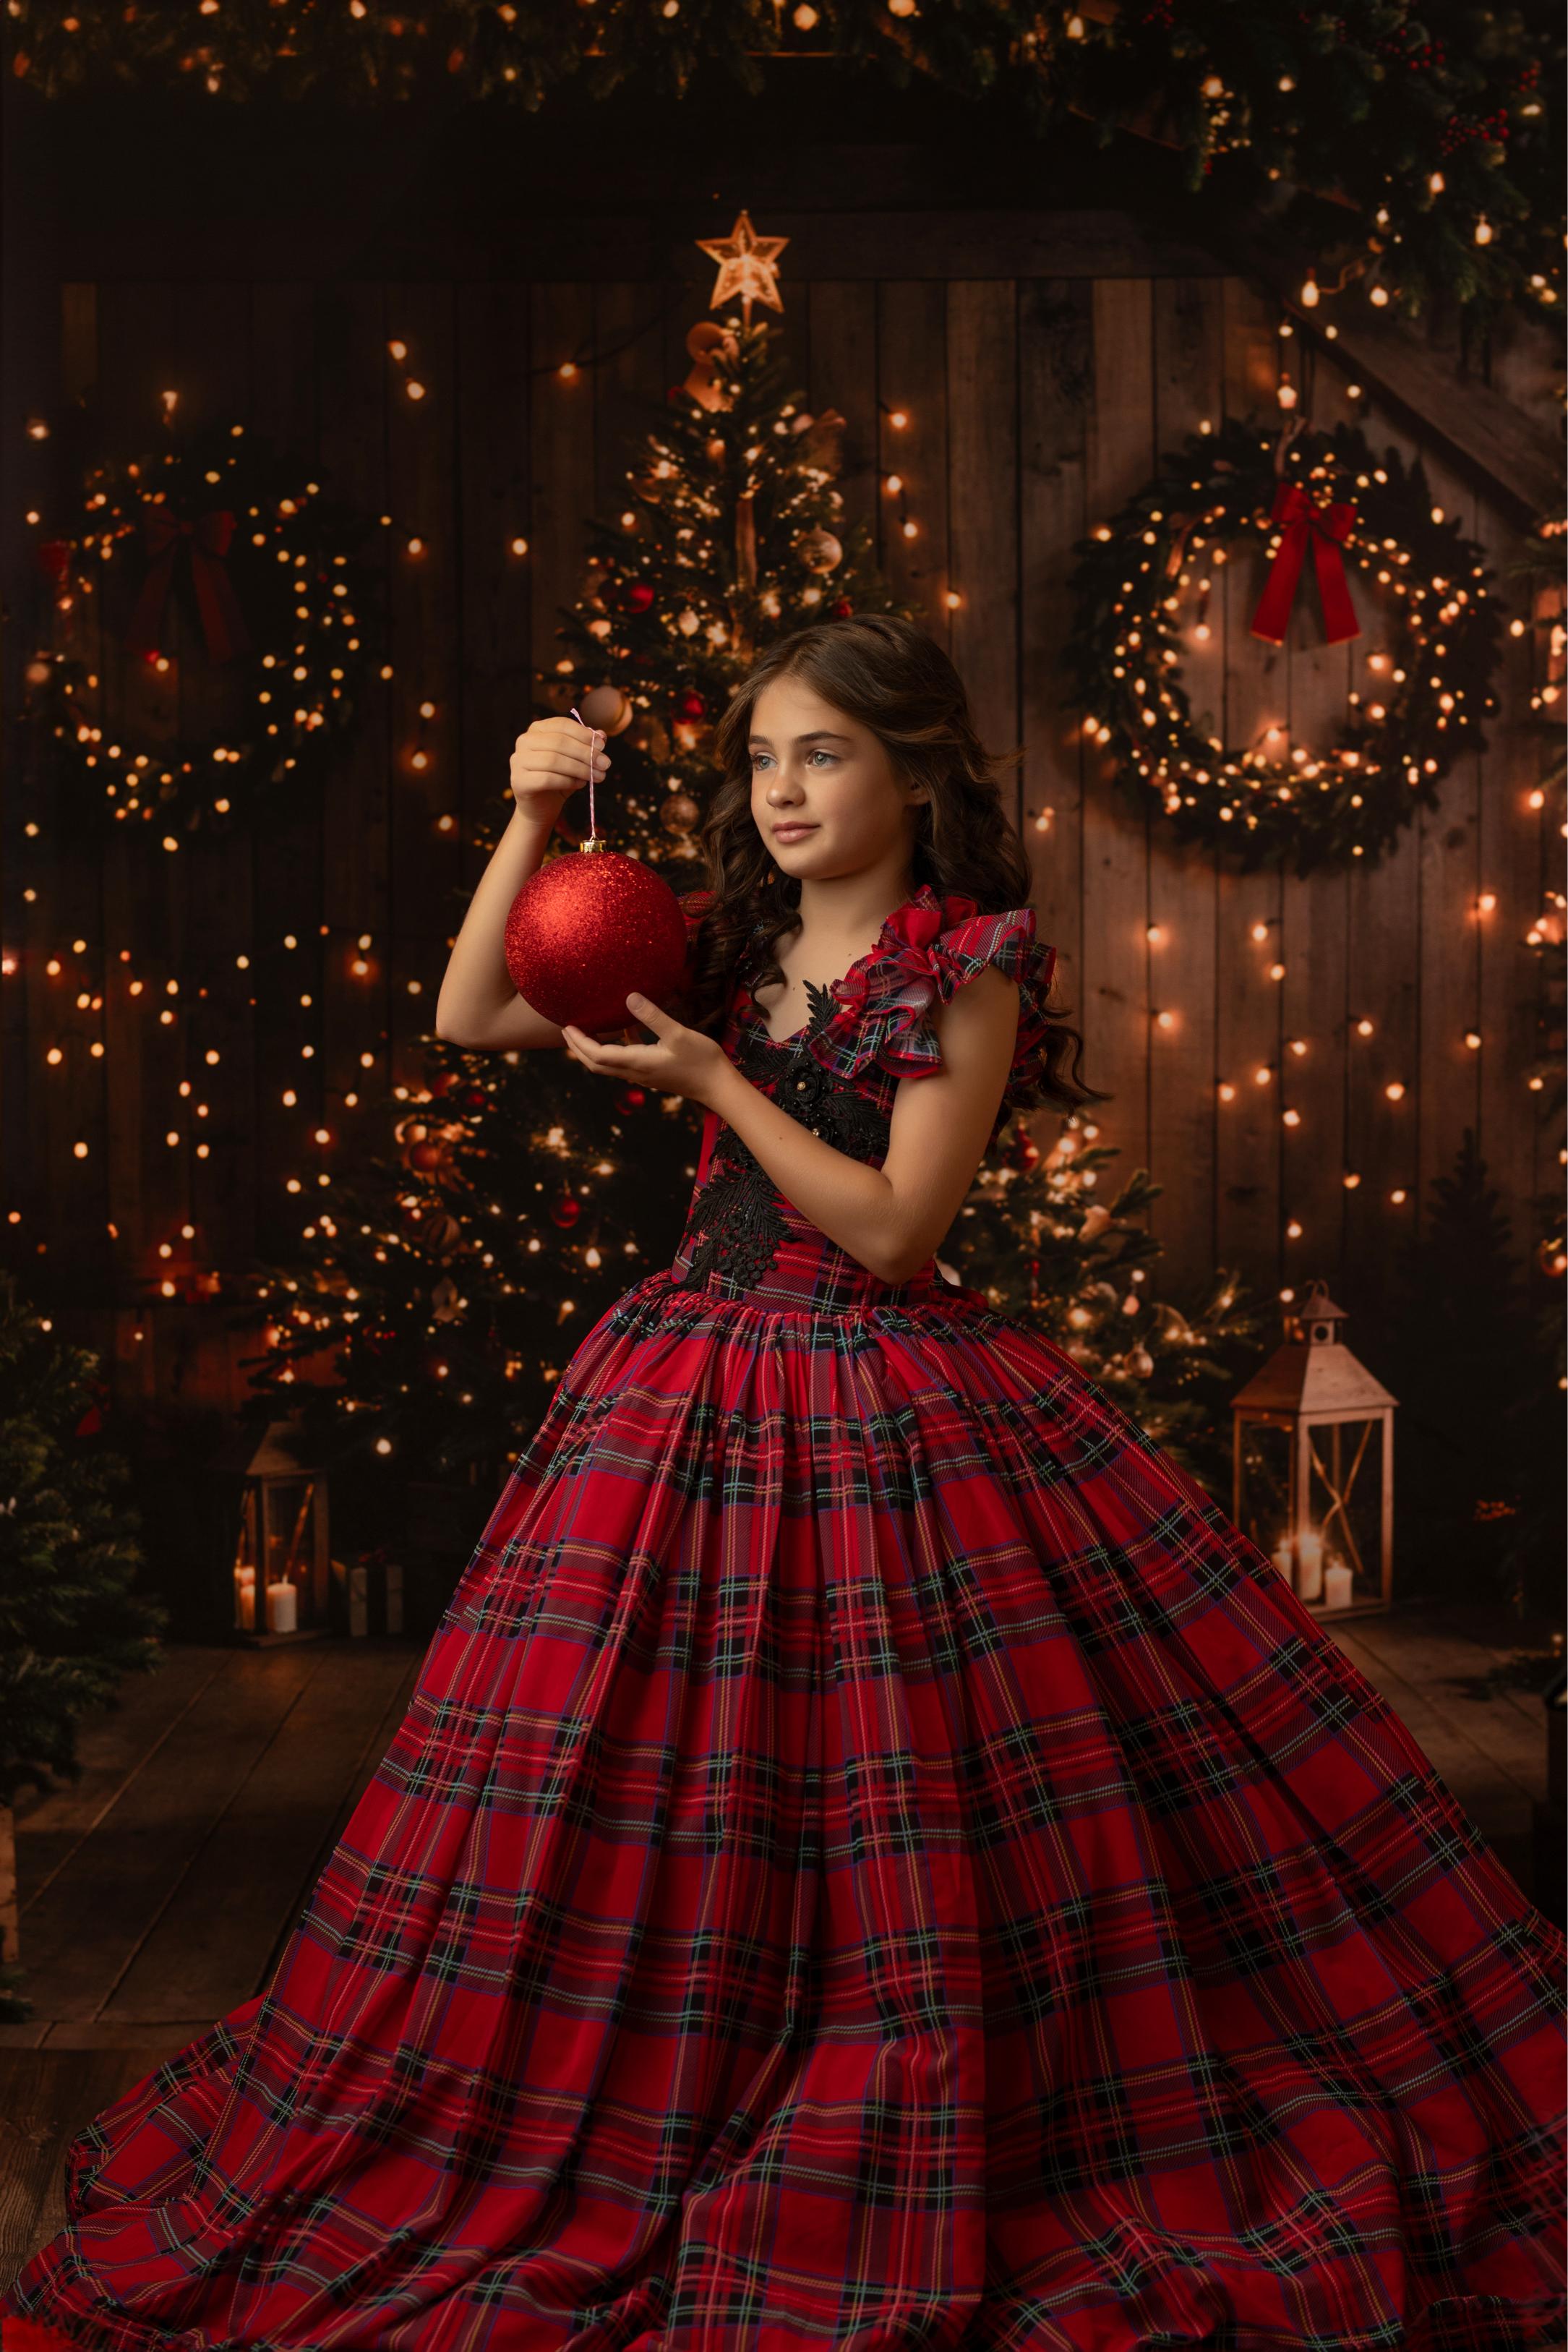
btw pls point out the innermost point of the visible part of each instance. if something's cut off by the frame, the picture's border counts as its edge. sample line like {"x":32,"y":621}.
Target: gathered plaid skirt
{"x":874,"y":1860}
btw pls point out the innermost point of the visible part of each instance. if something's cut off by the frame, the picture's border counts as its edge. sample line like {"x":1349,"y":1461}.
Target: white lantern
{"x":1313,"y":1465}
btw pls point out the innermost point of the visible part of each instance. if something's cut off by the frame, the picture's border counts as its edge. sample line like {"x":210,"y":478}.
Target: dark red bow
{"x":207,"y":541}
{"x":1328,"y":528}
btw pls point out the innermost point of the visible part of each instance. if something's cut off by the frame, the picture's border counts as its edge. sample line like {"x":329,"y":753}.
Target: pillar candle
{"x":1337,"y":1585}
{"x":244,"y":1599}
{"x":1309,"y":1565}
{"x":282,"y":1609}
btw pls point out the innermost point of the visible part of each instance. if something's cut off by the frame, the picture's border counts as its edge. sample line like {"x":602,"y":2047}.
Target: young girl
{"x":875,"y":1862}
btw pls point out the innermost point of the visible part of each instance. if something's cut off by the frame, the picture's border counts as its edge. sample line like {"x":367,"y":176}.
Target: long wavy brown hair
{"x":897,"y":682}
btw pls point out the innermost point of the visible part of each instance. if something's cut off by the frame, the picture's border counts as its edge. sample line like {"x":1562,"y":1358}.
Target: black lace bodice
{"x":838,"y":1076}
{"x":737,"y":1223}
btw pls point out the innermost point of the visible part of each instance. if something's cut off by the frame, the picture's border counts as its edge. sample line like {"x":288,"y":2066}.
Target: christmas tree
{"x":440,"y":1290}
{"x":1040,"y":1243}
{"x":70,"y":1623}
{"x":446,"y":1285}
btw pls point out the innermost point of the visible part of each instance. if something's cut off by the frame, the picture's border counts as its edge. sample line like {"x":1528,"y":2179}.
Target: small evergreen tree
{"x":1037,"y":1239}
{"x":70,"y":1623}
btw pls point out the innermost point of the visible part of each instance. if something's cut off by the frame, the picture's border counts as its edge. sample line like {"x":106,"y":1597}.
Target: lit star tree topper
{"x":746,"y":266}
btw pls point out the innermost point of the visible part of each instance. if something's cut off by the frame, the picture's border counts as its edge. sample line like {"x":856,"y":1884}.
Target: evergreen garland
{"x":1420,"y":152}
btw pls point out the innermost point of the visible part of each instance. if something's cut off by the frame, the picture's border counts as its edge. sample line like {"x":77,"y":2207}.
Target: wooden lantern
{"x":1313,"y":1465}
{"x":282,"y":1569}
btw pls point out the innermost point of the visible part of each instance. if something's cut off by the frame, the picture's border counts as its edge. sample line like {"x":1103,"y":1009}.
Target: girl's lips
{"x":791,"y":832}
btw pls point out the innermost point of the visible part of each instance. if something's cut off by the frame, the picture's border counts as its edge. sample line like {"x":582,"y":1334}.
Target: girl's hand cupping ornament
{"x":680,"y":1061}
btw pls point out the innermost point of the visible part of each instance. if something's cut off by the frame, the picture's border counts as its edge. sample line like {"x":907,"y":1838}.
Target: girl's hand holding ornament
{"x":551,"y":760}
{"x":681,"y":1061}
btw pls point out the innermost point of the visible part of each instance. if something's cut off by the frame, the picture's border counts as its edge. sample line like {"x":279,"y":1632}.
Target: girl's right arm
{"x":478,"y":1006}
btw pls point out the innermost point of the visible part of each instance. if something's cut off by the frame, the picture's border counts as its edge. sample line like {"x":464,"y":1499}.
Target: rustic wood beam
{"x":564,"y":249}
{"x":1485,"y":435}
{"x":1515,"y":458}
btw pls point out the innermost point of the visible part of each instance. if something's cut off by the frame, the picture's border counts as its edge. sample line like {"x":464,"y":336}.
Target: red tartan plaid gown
{"x":875,"y":1860}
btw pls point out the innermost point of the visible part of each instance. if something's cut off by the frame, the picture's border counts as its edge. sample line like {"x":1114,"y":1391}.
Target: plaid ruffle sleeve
{"x":929,"y":948}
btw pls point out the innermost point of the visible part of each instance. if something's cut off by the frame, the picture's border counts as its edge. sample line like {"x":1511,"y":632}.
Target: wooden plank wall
{"x":1034,"y":406}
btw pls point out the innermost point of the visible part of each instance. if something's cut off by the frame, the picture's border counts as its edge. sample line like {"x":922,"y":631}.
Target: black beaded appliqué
{"x":738,"y":1213}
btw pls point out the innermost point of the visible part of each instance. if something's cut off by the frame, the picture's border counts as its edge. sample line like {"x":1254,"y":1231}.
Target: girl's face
{"x":815,"y":768}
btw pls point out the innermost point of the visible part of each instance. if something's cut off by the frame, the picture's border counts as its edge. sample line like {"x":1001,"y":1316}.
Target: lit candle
{"x":282,"y":1608}
{"x":1309,"y":1565}
{"x":244,"y":1599}
{"x":1336,"y":1585}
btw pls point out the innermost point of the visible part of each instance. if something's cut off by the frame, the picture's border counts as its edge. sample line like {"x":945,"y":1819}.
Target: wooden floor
{"x":158,"y":1891}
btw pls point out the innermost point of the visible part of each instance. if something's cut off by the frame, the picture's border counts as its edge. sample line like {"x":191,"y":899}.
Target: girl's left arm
{"x":890,"y":1218}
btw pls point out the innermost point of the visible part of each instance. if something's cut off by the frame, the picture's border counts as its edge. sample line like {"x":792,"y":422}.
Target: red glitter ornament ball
{"x":588,"y":928}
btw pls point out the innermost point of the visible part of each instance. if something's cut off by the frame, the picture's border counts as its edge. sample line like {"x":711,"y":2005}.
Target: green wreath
{"x":1436,"y":641}
{"x":280,"y":611}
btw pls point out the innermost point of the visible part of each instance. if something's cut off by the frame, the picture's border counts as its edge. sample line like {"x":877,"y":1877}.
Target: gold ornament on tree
{"x":818,"y":551}
{"x":708,"y":345}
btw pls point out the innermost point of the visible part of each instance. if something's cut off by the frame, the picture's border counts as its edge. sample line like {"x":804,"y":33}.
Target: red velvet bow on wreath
{"x":1328,"y":528}
{"x":207,"y":541}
